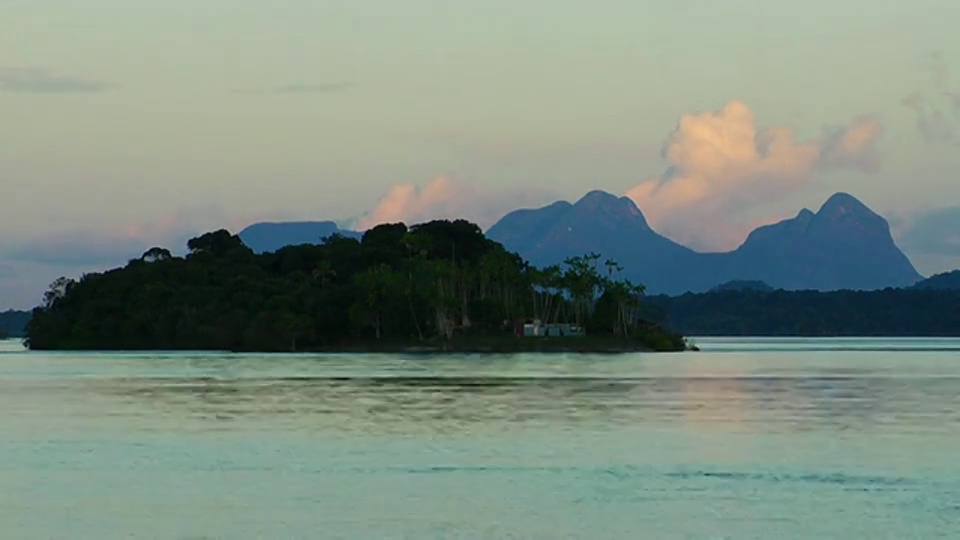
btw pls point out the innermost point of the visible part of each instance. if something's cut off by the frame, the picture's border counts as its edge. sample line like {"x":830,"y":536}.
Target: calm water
{"x":749,"y":438}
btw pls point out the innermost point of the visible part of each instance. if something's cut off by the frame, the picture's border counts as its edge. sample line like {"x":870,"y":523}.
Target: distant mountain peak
{"x":599,"y":222}
{"x":607,"y":205}
{"x":598,"y":195}
{"x":599,"y":200}
{"x":844,"y":245}
{"x":843,"y":203}
{"x":843,"y":215}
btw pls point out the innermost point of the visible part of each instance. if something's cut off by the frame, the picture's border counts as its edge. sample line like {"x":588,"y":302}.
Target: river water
{"x":773,"y":438}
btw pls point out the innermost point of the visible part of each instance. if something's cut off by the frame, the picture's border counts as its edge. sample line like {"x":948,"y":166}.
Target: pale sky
{"x":125,"y":123}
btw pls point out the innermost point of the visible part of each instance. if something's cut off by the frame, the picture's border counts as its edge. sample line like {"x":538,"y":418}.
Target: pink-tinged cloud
{"x":721,"y":163}
{"x":445,"y":198}
{"x":92,"y":250}
{"x":30,"y":264}
{"x":173,"y":229}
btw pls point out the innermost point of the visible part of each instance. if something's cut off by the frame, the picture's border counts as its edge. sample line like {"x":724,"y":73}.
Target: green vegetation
{"x":441,"y":285}
{"x":888,"y":312}
{"x":13,"y":323}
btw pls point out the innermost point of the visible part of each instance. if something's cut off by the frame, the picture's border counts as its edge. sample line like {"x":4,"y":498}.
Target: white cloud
{"x":445,"y":198}
{"x":938,"y":108}
{"x":721,"y":163}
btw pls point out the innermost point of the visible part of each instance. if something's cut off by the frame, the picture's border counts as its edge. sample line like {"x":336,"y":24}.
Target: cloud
{"x":721,"y":163}
{"x":74,"y":249}
{"x":853,"y":146}
{"x":930,"y":237}
{"x":938,"y":109}
{"x":36,"y":261}
{"x":445,"y":198}
{"x":954,"y":100}
{"x":932,"y":231}
{"x":96,"y":250}
{"x":37,"y":81}
{"x":304,"y":88}
{"x":933,"y":124}
{"x":325,"y":88}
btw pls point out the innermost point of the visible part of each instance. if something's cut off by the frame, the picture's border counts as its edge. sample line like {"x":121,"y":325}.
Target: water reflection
{"x":452,"y":402}
{"x":785,"y":392}
{"x":781,"y":444}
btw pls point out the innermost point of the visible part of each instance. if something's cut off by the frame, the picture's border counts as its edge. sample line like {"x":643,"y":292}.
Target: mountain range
{"x":843,"y":245}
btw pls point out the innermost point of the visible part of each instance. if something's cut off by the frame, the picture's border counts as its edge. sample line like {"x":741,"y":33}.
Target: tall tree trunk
{"x":416,"y":321}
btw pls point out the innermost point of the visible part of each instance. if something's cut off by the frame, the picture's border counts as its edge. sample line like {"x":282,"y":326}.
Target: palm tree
{"x":627,"y":296}
{"x":582,"y":280}
{"x":612,"y":266}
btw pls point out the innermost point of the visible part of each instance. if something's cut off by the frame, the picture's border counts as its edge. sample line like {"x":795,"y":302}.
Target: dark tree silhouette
{"x":436,"y":282}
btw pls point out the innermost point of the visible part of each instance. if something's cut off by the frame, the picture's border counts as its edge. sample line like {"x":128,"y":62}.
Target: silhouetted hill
{"x":742,"y":285}
{"x":13,"y":323}
{"x":844,"y":245}
{"x":602,"y":223}
{"x":946,"y":280}
{"x":525,"y":228}
{"x":266,"y":237}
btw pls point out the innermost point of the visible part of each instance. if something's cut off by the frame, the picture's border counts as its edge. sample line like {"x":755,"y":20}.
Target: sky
{"x":130,"y":124}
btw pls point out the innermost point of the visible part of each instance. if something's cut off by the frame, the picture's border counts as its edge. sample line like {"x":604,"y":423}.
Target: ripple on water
{"x":753,"y":440}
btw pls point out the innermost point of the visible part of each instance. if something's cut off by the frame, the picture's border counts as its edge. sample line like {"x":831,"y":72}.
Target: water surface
{"x":784,"y":438}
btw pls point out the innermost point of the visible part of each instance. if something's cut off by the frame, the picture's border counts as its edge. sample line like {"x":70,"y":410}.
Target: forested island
{"x":437,"y":286}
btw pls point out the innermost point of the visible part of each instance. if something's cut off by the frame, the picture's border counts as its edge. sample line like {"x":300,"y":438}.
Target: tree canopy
{"x":435,"y":281}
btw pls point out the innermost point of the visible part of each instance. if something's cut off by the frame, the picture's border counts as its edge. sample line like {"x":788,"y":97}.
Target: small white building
{"x":538,"y":329}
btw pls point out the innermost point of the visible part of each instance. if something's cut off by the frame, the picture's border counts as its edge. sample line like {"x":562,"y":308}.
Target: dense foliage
{"x":13,"y":323}
{"x":887,"y":312}
{"x":432,"y":283}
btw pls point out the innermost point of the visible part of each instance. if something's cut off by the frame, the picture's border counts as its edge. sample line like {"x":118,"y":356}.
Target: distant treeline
{"x":13,"y":323}
{"x":433,"y":285}
{"x":751,"y":312}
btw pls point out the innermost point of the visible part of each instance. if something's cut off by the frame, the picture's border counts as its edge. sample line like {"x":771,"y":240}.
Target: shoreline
{"x":587,"y":345}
